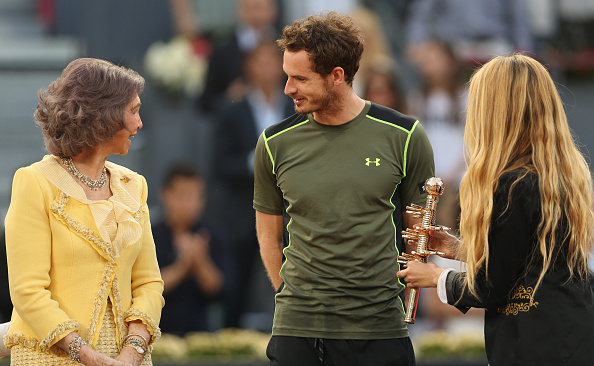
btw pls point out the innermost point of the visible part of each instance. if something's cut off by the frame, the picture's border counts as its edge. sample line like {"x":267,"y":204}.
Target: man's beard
{"x":326,"y":103}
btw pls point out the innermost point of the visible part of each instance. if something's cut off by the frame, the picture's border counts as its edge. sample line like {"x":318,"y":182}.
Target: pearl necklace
{"x":93,"y":184}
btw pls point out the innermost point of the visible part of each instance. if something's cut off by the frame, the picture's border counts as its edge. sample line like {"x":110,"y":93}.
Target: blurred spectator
{"x":577,"y":20}
{"x":293,"y":10}
{"x":186,"y":23}
{"x":440,"y":105}
{"x":191,"y":253}
{"x":543,"y":16}
{"x":256,"y":21}
{"x":236,"y":133}
{"x":477,"y":29}
{"x":377,"y":49}
{"x":185,"y":20}
{"x":115,"y":30}
{"x":574,"y":44}
{"x":383,"y":86}
{"x":46,"y":10}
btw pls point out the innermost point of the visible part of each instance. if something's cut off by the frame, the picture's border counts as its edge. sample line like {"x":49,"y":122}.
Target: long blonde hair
{"x":516,"y":121}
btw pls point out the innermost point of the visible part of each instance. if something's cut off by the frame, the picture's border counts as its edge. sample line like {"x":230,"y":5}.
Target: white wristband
{"x":441,"y":285}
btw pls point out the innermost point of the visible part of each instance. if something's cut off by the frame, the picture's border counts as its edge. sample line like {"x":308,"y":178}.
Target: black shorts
{"x":298,"y":351}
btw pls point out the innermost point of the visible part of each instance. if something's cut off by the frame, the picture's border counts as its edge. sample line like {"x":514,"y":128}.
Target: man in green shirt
{"x":331,"y":186}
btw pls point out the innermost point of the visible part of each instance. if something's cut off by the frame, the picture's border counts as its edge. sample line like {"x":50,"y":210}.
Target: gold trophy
{"x":420,"y":237}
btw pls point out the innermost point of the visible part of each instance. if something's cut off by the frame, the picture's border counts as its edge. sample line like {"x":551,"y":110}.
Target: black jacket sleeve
{"x":512,"y":239}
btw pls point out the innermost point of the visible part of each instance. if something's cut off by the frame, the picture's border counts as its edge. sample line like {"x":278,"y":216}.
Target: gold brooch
{"x":125,"y":179}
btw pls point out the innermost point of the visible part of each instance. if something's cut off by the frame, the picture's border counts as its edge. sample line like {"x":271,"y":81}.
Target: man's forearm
{"x":272,"y":257}
{"x":269,"y":229}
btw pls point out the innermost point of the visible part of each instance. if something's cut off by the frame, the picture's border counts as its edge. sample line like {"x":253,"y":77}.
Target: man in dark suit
{"x":224,"y":79}
{"x":237,"y":131}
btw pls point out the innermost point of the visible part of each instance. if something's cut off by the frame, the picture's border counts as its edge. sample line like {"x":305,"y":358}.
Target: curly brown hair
{"x":331,"y":40}
{"x":85,"y":106}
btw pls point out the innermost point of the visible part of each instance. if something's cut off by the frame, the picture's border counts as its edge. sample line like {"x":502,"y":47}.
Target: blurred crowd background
{"x":215,"y":81}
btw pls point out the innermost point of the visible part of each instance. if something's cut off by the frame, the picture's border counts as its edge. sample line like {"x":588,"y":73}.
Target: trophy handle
{"x":420,"y":236}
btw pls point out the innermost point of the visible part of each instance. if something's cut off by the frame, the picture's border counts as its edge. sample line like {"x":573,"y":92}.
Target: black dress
{"x":556,"y":327}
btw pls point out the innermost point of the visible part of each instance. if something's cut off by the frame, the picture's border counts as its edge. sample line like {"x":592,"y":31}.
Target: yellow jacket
{"x":62,"y":271}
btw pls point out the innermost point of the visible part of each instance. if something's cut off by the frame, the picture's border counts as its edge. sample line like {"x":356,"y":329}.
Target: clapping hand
{"x":193,"y":247}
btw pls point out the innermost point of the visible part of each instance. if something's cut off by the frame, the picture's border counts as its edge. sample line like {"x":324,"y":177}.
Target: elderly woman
{"x":84,"y":279}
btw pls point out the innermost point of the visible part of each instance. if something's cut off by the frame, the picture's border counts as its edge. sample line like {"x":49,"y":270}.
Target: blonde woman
{"x":83,"y":273}
{"x":527,"y":225}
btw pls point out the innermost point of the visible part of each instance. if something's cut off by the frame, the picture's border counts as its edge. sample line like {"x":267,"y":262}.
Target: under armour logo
{"x":369,"y":161}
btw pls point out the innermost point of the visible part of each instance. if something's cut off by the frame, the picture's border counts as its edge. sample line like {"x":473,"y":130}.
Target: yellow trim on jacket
{"x":61,"y":270}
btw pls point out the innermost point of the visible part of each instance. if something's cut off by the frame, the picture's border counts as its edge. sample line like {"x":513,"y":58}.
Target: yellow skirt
{"x":24,"y":356}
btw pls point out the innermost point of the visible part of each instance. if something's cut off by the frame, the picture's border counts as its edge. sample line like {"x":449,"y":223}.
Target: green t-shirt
{"x":341,"y":190}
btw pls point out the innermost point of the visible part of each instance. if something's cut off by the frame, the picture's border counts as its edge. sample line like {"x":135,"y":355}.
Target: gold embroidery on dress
{"x":82,"y":230}
{"x":140,"y":213}
{"x":524,"y":301}
{"x":25,"y":356}
{"x":21,"y":339}
{"x":106,"y":342}
{"x":100,"y":299}
{"x":119,"y":311}
{"x":22,"y":355}
{"x":133,"y":312}
{"x":107,"y":337}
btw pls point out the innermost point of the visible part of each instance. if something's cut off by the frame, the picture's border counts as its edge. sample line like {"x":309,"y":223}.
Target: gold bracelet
{"x":136,"y":343}
{"x":74,"y":348}
{"x":139,"y":336}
